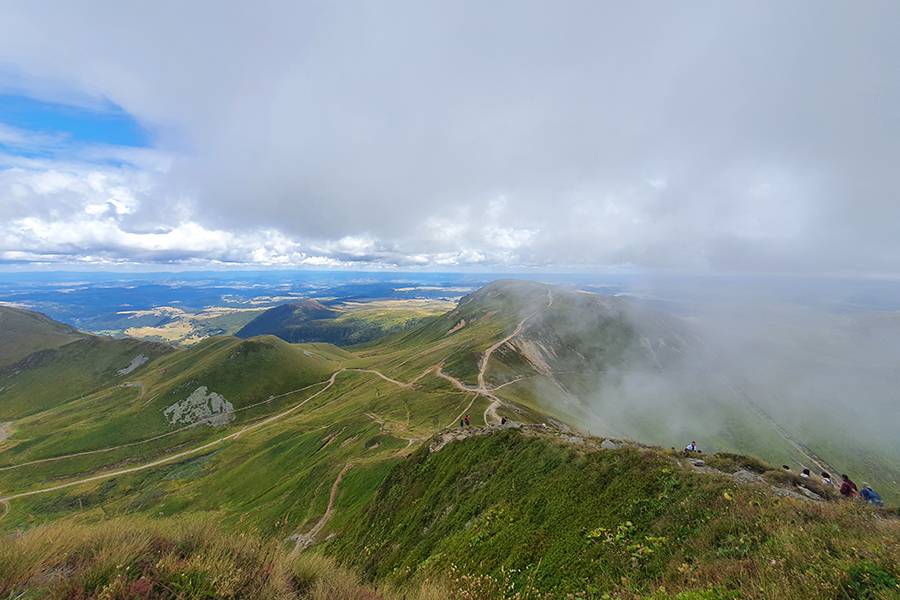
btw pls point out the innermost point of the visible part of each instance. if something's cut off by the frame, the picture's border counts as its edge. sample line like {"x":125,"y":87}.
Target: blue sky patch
{"x":74,"y":124}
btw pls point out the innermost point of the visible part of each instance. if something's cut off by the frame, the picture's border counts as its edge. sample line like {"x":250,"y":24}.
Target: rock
{"x":136,"y":362}
{"x":696,"y":462}
{"x":745,"y":476}
{"x":609,"y":445}
{"x":201,"y":406}
{"x":786,"y":493}
{"x":810,"y":494}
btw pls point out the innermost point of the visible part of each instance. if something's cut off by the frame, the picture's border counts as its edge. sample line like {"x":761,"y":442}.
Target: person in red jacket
{"x":848,"y":488}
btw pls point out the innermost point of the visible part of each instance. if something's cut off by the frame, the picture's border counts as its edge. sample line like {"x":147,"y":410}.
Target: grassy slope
{"x":188,"y":559}
{"x":343,"y":325}
{"x":23,"y":332}
{"x":249,"y":372}
{"x":276,"y":480}
{"x":528,"y":514}
{"x":605,"y":379}
{"x":246,"y":373}
{"x":53,"y":377}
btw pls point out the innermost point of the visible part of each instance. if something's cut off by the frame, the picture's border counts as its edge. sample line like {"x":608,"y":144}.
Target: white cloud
{"x":463,"y":134}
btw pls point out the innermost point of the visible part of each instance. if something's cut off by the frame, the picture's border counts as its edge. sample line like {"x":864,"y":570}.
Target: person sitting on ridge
{"x":870,"y":495}
{"x":826,"y":478}
{"x":848,"y":488}
{"x":692,"y":447}
{"x":804,"y":473}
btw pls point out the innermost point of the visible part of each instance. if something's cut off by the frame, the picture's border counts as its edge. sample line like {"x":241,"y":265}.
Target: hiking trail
{"x":305,"y":540}
{"x":179,"y":455}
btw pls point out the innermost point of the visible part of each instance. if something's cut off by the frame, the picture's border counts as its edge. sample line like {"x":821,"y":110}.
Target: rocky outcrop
{"x":135,"y":363}
{"x":202,"y":406}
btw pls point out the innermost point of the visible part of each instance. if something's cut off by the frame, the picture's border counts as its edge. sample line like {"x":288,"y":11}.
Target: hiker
{"x":462,"y":424}
{"x":467,"y":420}
{"x":870,"y":495}
{"x":848,"y":488}
{"x":692,"y":447}
{"x":503,"y":420}
{"x":826,"y":479}
{"x":804,"y":473}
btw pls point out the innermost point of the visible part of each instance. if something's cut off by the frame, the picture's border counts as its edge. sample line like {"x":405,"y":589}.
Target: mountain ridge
{"x":24,"y":332}
{"x":341,"y":451}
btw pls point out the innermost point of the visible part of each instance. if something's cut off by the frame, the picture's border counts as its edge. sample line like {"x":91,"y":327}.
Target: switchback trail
{"x":490,"y":413}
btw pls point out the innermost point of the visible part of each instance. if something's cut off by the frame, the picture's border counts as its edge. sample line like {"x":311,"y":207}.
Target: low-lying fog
{"x":805,"y":372}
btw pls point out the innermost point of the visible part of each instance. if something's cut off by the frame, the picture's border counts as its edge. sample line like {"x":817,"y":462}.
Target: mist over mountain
{"x":460,"y":301}
{"x":520,"y":395}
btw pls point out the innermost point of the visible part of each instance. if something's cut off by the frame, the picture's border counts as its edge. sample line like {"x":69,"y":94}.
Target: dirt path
{"x":483,"y":363}
{"x":430,"y":369}
{"x":405,"y":386}
{"x":151,"y":439}
{"x":454,"y":381}
{"x":179,"y":455}
{"x":142,"y":390}
{"x":512,"y":381}
{"x":456,"y":421}
{"x":490,"y":413}
{"x":5,"y":431}
{"x":167,"y":459}
{"x":305,"y":540}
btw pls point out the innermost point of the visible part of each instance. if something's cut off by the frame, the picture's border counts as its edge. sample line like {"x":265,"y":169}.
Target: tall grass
{"x":187,"y":558}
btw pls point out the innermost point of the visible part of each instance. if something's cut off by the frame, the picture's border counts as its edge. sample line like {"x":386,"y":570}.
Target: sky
{"x":704,"y":137}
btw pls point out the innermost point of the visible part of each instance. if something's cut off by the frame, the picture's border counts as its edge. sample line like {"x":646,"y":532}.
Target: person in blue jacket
{"x":870,"y":495}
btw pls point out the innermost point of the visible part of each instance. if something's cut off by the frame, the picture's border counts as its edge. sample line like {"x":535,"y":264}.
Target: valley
{"x":327,"y":449}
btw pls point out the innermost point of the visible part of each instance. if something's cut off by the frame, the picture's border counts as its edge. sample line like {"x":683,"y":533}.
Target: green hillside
{"x":308,"y":445}
{"x":543,"y":514}
{"x":23,"y":332}
{"x":54,"y":377}
{"x":289,"y":321}
{"x":344,"y":325}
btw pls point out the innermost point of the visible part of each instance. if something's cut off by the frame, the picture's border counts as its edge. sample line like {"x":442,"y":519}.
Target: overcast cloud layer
{"x":739,"y":136}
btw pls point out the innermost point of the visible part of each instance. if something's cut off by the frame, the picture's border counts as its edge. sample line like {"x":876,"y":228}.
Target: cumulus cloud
{"x":751,"y":136}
